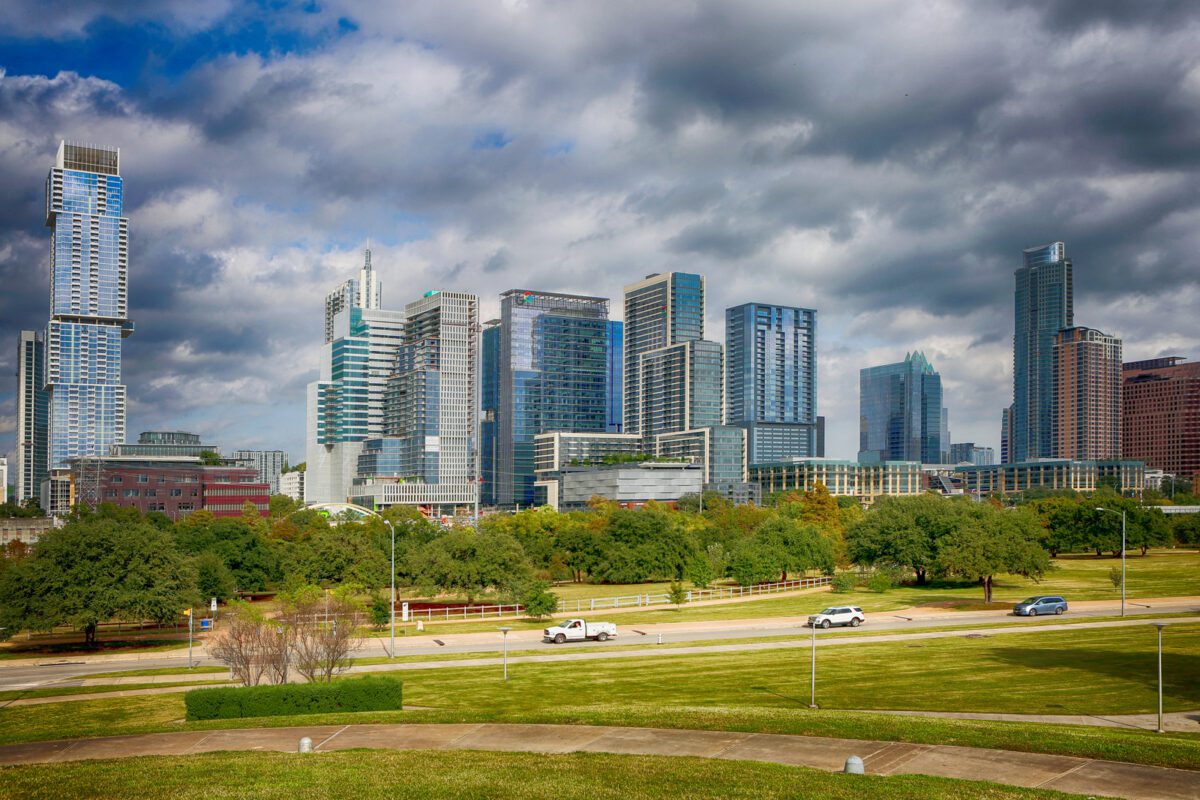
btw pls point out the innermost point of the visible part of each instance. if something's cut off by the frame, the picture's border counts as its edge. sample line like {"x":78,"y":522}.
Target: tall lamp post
{"x":1122,"y":513}
{"x":505,"y":631}
{"x":812,"y":696}
{"x":1160,"y":626}
{"x":392,"y":608}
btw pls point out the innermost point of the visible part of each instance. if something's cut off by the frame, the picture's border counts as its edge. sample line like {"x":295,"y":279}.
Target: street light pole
{"x":1122,"y":513}
{"x":1160,"y":626}
{"x":392,"y":607}
{"x":505,"y":632}
{"x":812,"y":696}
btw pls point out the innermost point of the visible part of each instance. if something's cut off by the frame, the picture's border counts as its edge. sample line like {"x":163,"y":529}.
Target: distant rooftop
{"x":89,"y":158}
{"x":1153,"y":363}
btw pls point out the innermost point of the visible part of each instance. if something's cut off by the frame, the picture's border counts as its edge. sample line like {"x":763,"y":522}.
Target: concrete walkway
{"x":1063,"y":773}
{"x":1173,"y":722}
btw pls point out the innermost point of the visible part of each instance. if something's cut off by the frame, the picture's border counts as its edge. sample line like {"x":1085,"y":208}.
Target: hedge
{"x":357,"y":694}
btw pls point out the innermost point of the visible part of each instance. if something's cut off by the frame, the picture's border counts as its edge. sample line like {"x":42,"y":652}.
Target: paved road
{"x":39,"y":672}
{"x":1063,"y":773}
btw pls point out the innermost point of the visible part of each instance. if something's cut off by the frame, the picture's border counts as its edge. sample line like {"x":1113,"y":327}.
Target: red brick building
{"x":175,"y":486}
{"x":1161,"y":405}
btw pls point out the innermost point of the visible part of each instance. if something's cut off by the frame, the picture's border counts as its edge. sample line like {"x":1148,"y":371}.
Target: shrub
{"x":677,"y":594}
{"x":539,"y":601}
{"x":843,"y":582}
{"x":359,"y":694}
{"x":1114,"y":575}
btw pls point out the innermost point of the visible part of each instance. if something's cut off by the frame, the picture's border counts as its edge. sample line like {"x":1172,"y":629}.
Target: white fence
{"x":695,"y":595}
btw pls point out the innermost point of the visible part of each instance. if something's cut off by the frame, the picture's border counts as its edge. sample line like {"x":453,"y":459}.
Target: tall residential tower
{"x":89,"y":261}
{"x":771,"y":379}
{"x":901,"y":416}
{"x":32,"y":416}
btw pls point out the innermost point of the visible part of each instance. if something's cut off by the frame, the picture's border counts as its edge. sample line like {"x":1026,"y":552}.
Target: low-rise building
{"x":26,"y":530}
{"x":631,"y":485}
{"x":553,"y":452}
{"x":292,"y":484}
{"x":864,"y":482}
{"x":1053,"y":473}
{"x":175,"y":486}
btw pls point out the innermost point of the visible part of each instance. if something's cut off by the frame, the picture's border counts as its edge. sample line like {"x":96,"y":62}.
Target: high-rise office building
{"x":1044,"y":305}
{"x":901,"y":417}
{"x":614,"y":395}
{"x":489,"y":408}
{"x":1006,"y":435}
{"x":771,"y":379}
{"x":660,"y":311}
{"x":346,"y":403}
{"x":427,"y":456}
{"x":1086,"y":404}
{"x":553,"y":376}
{"x":971,"y":453}
{"x":32,"y":416}
{"x":365,"y":291}
{"x":268,"y":464}
{"x":1161,"y":415}
{"x":89,"y":260}
{"x":680,"y":389}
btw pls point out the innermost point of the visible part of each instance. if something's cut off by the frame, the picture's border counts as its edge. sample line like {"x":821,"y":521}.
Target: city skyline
{"x":232,"y":253}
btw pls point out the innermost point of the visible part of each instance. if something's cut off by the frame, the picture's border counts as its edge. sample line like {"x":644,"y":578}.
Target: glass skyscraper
{"x":88,"y":303}
{"x":489,"y":408}
{"x":771,"y":379}
{"x":901,"y":416}
{"x":614,"y":411}
{"x":32,"y":415}
{"x":1044,"y":305}
{"x":553,"y":372}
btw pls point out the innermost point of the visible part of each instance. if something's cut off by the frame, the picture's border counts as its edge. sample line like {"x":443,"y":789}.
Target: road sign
{"x":404,"y":612}
{"x":213,"y":606}
{"x":187,"y":612}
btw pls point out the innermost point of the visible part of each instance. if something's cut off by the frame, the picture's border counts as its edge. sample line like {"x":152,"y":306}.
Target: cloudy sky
{"x":882,"y":161}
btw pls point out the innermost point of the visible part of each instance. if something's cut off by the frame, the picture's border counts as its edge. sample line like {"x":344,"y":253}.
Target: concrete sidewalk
{"x":1063,"y":773}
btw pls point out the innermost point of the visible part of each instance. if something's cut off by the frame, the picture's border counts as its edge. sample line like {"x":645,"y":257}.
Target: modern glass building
{"x":771,"y":379}
{"x":614,"y":409}
{"x":901,"y":416}
{"x":864,"y":482}
{"x":680,"y":388}
{"x":177,"y":444}
{"x":1044,"y":304}
{"x":970,"y":453}
{"x":268,"y":464}
{"x":365,"y":291}
{"x":33,"y":418}
{"x":88,"y":303}
{"x":660,"y":311}
{"x":489,"y":408}
{"x":346,"y":403}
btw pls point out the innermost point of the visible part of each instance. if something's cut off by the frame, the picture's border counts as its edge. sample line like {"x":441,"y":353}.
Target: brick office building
{"x":1161,"y":407}
{"x":175,"y":486}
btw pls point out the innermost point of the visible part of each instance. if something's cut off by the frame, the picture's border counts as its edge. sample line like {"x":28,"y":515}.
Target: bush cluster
{"x":843,"y":582}
{"x":359,"y":694}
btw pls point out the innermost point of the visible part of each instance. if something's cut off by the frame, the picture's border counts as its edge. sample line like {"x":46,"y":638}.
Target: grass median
{"x":454,"y":775}
{"x":1086,"y":671}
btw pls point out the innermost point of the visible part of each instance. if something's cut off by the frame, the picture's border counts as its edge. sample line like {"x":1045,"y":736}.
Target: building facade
{"x":720,"y":450}
{"x":864,"y":482}
{"x":89,"y":260}
{"x":771,"y":379}
{"x":175,"y":486}
{"x":166,"y":443}
{"x":33,"y":416}
{"x":660,"y":311}
{"x":553,"y":376}
{"x":1044,"y":304}
{"x":365,"y":291}
{"x":680,"y":388}
{"x":554,"y":452}
{"x":971,"y":453}
{"x":630,"y":485}
{"x":1161,"y":411}
{"x":614,"y":394}
{"x":291,"y":484}
{"x":1053,"y":473}
{"x":269,"y":465}
{"x":489,"y":408}
{"x":901,"y":416}
{"x":1086,"y":405}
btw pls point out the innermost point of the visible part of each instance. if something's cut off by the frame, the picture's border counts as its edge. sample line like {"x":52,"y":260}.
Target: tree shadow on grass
{"x":1181,"y":671}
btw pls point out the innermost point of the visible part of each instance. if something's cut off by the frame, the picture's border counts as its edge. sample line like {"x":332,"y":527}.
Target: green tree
{"x":754,"y":562}
{"x":903,"y":531}
{"x":539,"y":601}
{"x":381,"y":610}
{"x":95,"y":570}
{"x":470,"y":563}
{"x":989,"y":542}
{"x":213,"y":578}
{"x":643,"y":545}
{"x":244,"y":549}
{"x":677,"y":594}
{"x":700,"y":571}
{"x":799,"y":546}
{"x":1186,"y":528}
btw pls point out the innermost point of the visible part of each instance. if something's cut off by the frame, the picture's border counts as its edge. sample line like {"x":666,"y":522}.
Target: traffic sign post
{"x":190,"y":617}
{"x":404,"y":613}
{"x":213,"y":606}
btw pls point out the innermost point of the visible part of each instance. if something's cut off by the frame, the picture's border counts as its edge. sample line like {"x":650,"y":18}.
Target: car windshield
{"x":1030,"y":601}
{"x":829,"y":611}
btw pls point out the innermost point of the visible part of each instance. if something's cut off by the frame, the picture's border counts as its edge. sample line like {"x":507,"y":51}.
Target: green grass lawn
{"x":367,"y":775}
{"x":142,"y":673}
{"x":66,"y":691}
{"x":19,"y":649}
{"x":1067,"y":672}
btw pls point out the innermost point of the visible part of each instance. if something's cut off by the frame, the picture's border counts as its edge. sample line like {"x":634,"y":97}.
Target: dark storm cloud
{"x":882,"y":161}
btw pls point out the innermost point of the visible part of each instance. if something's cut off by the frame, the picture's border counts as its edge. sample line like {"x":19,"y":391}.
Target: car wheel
{"x":1033,"y":612}
{"x":601,"y":637}
{"x":560,"y":638}
{"x":825,"y":624}
{"x":1059,"y":610}
{"x":854,"y":622}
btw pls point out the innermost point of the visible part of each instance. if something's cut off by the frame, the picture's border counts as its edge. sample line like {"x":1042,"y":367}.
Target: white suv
{"x":838,"y":615}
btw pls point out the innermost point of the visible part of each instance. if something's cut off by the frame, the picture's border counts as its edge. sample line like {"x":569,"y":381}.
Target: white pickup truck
{"x":576,"y":630}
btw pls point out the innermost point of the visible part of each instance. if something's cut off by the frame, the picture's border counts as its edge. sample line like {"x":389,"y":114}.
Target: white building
{"x":3,"y":479}
{"x":268,"y":463}
{"x":291,"y":484}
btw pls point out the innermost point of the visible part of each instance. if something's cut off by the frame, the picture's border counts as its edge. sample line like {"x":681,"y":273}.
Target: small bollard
{"x":660,"y":638}
{"x":854,"y":766}
{"x":306,"y":745}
